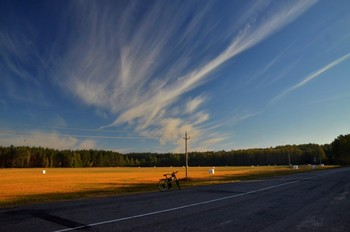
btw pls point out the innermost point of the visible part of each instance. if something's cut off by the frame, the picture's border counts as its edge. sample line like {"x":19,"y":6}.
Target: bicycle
{"x":166,"y":183}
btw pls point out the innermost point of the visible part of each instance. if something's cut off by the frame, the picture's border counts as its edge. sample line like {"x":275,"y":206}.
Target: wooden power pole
{"x":186,"y":138}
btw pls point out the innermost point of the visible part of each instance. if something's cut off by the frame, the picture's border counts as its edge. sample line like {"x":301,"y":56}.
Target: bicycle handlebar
{"x":171,"y":174}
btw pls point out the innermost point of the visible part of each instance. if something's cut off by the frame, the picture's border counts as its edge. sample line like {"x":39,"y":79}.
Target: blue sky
{"x":134,"y":76}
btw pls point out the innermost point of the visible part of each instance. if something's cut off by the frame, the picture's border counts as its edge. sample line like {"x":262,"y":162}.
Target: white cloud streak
{"x":193,"y":104}
{"x":311,"y":77}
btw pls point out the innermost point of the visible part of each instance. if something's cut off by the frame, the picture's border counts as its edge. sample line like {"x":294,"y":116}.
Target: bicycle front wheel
{"x":163,"y":185}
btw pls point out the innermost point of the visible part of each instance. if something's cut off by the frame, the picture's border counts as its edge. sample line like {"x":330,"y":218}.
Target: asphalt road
{"x":314,"y":201}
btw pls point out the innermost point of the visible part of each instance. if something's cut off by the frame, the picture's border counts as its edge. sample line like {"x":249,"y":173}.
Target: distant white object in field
{"x":295,"y":167}
{"x":43,"y":171}
{"x":211,"y":171}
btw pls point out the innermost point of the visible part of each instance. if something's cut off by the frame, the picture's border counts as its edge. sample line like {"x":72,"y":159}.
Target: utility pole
{"x":186,"y":138}
{"x":289,"y":159}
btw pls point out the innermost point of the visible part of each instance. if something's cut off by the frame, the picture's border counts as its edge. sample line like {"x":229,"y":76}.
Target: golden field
{"x":25,"y":186}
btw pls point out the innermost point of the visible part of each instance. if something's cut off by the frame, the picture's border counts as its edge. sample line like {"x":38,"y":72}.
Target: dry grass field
{"x":26,"y":186}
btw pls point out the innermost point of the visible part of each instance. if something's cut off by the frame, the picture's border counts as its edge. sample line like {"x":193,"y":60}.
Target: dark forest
{"x":338,"y":152}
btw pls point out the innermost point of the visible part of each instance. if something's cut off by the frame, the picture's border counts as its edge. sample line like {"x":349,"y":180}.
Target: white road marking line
{"x":190,"y":205}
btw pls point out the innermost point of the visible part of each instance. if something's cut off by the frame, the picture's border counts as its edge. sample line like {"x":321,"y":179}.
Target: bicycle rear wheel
{"x":163,"y":185}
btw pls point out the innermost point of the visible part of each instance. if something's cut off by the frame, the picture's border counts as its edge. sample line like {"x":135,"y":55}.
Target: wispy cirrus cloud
{"x":311,"y":77}
{"x":18,"y":53}
{"x":141,"y":68}
{"x":193,"y":104}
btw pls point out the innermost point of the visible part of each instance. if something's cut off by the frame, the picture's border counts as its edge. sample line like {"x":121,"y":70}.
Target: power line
{"x":61,"y":127}
{"x":72,"y":135}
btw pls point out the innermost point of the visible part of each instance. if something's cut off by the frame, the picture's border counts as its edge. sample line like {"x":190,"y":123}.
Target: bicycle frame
{"x":166,"y":183}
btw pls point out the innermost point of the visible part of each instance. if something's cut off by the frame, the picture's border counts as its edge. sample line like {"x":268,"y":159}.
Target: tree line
{"x":338,"y":152}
